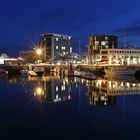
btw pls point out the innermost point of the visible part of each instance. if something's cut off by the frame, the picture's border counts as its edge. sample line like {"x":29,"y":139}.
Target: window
{"x":106,"y":38}
{"x":56,"y":47}
{"x":56,"y":88}
{"x":96,"y":42}
{"x":70,"y":49}
{"x":56,"y":39}
{"x":102,"y":43}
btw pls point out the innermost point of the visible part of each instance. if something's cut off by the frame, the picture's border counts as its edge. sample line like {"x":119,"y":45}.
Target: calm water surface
{"x":62,"y":108}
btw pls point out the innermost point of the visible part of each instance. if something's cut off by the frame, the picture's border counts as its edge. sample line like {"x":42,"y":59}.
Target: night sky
{"x":22,"y":21}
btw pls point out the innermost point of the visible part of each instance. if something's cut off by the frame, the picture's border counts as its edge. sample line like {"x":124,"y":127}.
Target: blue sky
{"x":22,"y":21}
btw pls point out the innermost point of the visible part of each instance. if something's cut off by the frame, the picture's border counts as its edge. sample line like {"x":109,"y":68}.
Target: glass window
{"x":103,"y":43}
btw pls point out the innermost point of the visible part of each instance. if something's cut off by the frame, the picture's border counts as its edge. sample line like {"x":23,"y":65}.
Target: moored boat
{"x":39,"y":70}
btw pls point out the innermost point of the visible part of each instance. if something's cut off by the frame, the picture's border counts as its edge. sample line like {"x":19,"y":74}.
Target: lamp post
{"x":39,"y":52}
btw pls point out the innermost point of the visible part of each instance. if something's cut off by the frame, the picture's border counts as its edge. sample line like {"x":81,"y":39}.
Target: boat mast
{"x":125,"y":62}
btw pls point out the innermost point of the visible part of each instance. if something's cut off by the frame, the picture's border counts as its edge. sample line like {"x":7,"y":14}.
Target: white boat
{"x":77,"y":73}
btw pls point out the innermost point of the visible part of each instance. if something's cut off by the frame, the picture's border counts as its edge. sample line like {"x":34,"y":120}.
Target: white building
{"x":118,"y":56}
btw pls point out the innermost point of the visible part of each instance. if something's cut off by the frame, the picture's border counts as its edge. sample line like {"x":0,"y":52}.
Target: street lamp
{"x":38,"y":51}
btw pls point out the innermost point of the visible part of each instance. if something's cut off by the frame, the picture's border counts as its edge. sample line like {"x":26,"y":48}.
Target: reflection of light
{"x":39,"y":91}
{"x":82,"y":81}
{"x":134,"y":84}
{"x":122,"y":84}
{"x":56,"y":88}
{"x":69,"y":97}
{"x":56,"y":96}
{"x":75,"y":80}
{"x":99,"y":82}
{"x":128,"y":84}
{"x":62,"y":87}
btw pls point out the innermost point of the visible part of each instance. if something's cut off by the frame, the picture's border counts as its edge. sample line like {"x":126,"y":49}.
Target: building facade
{"x":119,"y":56}
{"x":55,"y":46}
{"x":98,"y":42}
{"x":29,"y":56}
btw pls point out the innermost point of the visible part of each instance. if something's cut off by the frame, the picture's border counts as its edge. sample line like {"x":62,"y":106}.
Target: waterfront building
{"x":29,"y":56}
{"x":129,"y":56}
{"x":55,"y":46}
{"x":98,"y":42}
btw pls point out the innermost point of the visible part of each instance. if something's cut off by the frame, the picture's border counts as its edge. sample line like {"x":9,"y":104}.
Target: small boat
{"x":39,"y":70}
{"x":74,"y":73}
{"x":24,"y":72}
{"x":88,"y":75}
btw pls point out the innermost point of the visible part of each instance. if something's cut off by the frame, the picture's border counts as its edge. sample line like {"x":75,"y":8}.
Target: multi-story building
{"x":119,"y":56}
{"x":55,"y":46}
{"x":97,"y":42}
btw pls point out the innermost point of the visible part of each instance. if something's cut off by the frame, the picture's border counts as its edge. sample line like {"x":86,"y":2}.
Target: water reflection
{"x":53,"y":89}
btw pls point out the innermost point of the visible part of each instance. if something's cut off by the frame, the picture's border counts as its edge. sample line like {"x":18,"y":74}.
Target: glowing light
{"x":69,"y":97}
{"x":39,"y":91}
{"x":39,"y":51}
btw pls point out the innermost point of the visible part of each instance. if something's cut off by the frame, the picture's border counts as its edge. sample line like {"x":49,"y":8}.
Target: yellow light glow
{"x":39,"y":51}
{"x":39,"y":91}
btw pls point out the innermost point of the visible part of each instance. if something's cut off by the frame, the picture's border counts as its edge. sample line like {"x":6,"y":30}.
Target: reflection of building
{"x":116,"y":87}
{"x":103,"y":92}
{"x":54,"y":90}
{"x":120,"y":56}
{"x":99,"y":97}
{"x":101,"y":42}
{"x":55,"y":46}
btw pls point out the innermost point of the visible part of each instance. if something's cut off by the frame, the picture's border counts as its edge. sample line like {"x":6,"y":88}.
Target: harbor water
{"x":69,"y":108}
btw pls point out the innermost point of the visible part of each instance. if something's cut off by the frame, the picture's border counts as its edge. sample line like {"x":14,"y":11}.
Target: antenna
{"x":124,"y":38}
{"x":79,"y":46}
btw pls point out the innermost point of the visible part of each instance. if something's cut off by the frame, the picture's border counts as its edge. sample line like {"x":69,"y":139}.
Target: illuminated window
{"x":106,"y":38}
{"x":96,"y":42}
{"x":56,"y":47}
{"x":70,"y":49}
{"x":63,"y":48}
{"x":56,"y":39}
{"x":69,"y":37}
{"x":102,"y":43}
